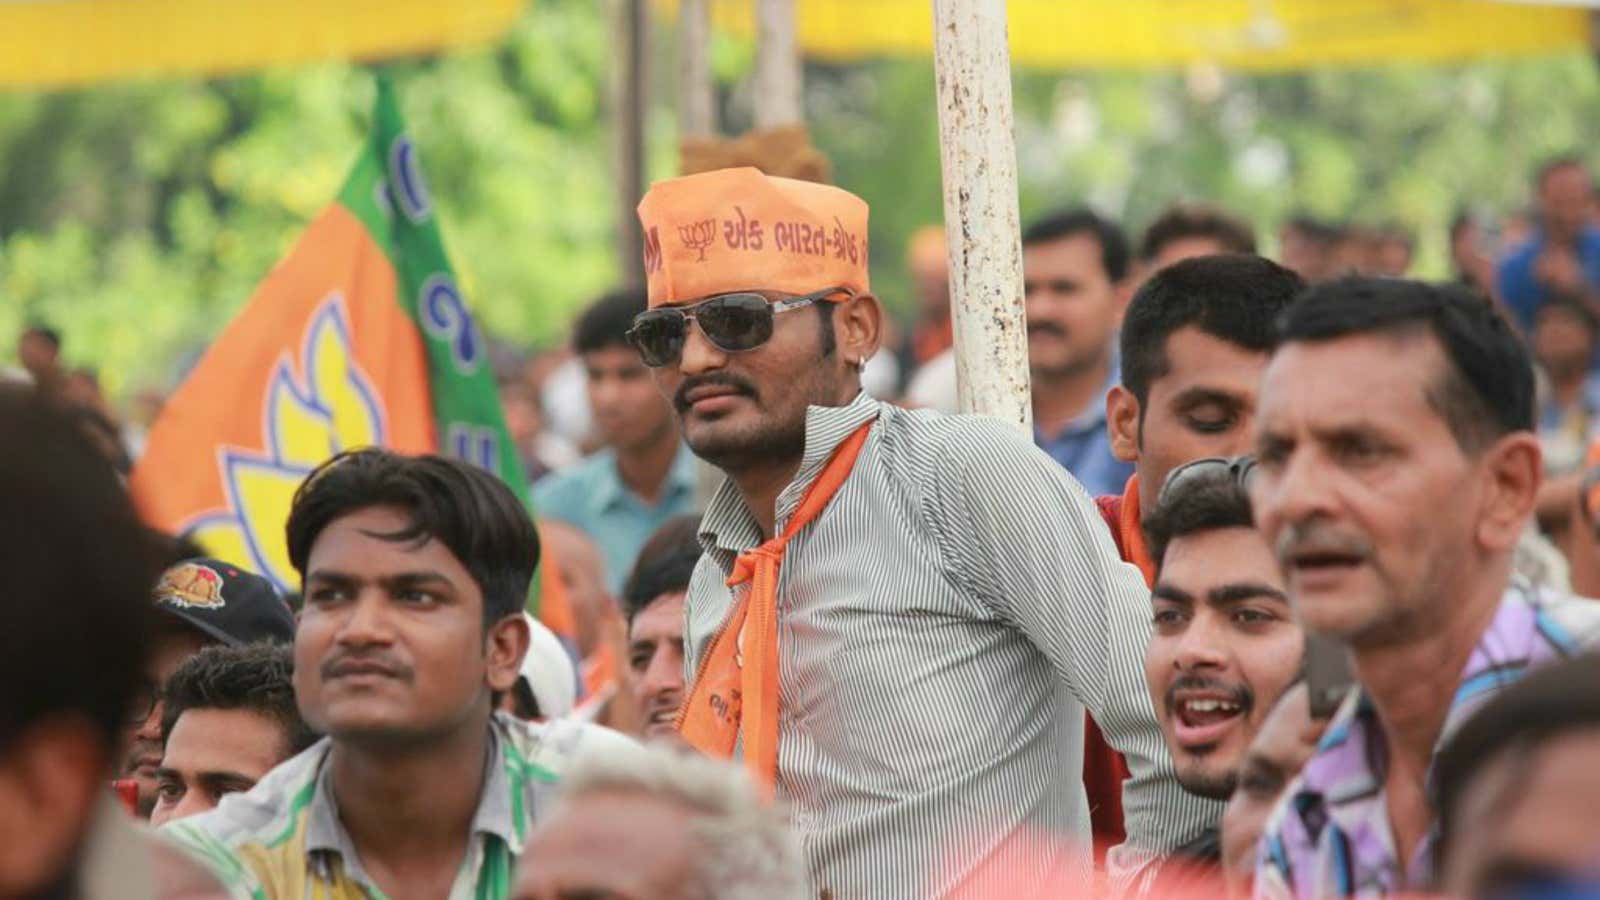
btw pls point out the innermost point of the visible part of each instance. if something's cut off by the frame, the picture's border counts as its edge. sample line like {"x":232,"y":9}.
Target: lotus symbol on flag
{"x":315,"y":407}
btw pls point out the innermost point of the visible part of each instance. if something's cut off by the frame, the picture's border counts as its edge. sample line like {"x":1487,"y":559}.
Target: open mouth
{"x":1202,"y":720}
{"x":1312,"y":567}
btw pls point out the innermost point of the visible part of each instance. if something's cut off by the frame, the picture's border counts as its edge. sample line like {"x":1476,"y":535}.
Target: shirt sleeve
{"x":1022,"y":536}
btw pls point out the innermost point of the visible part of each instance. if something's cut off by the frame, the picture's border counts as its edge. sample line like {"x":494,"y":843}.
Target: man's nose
{"x":699,"y":354}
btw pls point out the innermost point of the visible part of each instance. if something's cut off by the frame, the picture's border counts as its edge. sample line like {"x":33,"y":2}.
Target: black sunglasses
{"x":1239,"y":468}
{"x":733,"y":323}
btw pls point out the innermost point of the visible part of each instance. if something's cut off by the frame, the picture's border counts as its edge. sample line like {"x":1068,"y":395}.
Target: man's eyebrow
{"x":1200,"y":394}
{"x":165,"y":772}
{"x":412,"y":579}
{"x":1165,"y":591}
{"x":1238,"y":591}
{"x":223,"y":775}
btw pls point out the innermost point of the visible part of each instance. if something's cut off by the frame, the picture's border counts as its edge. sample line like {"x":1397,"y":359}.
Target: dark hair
{"x":1181,"y":222}
{"x":1203,"y":501}
{"x":606,"y":322}
{"x":79,"y":621}
{"x":664,"y":564}
{"x":45,"y":333}
{"x":1064,"y":224}
{"x":465,"y":508}
{"x":1314,"y":229}
{"x":1555,"y":164}
{"x":254,"y":677}
{"x":1487,"y":390}
{"x":1546,"y":703}
{"x":1234,"y":298}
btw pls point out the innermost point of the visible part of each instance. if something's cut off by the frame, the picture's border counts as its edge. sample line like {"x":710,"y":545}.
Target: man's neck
{"x":1060,"y":398}
{"x":644,"y":468}
{"x":760,"y":487}
{"x":411,"y":812}
{"x":1568,"y":387}
{"x":1412,"y":684}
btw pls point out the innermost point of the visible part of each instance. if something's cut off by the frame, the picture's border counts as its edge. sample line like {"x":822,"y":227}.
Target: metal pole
{"x":697,"y":111}
{"x":978,"y":154}
{"x":631,"y":98}
{"x":778,"y":79}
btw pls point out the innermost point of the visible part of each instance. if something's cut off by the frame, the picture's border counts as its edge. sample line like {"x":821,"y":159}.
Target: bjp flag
{"x":359,"y":337}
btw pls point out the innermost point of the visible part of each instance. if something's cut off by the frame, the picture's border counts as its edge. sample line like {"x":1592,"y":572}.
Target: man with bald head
{"x":900,"y":615}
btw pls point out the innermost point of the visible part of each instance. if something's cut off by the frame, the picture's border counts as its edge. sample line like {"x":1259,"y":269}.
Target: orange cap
{"x":739,"y":230}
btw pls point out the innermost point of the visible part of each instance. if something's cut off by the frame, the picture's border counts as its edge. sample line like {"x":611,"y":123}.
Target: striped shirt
{"x":1330,"y":835}
{"x":282,"y":839}
{"x":942,"y":624}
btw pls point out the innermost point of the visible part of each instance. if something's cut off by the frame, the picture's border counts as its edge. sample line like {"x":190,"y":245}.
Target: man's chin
{"x":1209,"y":780}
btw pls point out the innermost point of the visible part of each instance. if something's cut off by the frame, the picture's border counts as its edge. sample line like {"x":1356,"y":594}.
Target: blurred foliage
{"x":138,"y":217}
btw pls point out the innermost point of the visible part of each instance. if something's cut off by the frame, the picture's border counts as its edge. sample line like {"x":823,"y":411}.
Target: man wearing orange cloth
{"x":900,"y":615}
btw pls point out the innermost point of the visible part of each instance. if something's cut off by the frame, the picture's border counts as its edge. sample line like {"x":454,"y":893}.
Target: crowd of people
{"x":1284,"y":597}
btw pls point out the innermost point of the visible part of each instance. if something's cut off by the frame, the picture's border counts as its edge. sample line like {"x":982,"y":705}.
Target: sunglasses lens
{"x":658,"y":336}
{"x":736,"y":322}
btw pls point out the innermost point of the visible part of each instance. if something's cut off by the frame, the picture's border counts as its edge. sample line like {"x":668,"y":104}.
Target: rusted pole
{"x":978,"y":154}
{"x":777,"y":80}
{"x":697,"y":111}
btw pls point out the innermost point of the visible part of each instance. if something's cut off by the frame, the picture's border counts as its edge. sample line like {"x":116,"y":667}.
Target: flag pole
{"x":977,"y":151}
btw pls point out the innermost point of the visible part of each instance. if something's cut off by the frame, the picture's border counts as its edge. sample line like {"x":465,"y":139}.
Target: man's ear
{"x":504,"y":646}
{"x":859,"y":325}
{"x":1122,"y":423}
{"x":1514,"y":469}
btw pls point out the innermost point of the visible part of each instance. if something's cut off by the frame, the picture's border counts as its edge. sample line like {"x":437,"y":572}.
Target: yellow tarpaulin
{"x":63,"y":43}
{"x":1242,"y":34}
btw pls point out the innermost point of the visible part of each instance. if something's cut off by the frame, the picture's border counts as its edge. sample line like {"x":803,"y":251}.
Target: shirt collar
{"x":326,"y":836}
{"x":728,"y":524}
{"x":610,"y":491}
{"x":1093,"y":417}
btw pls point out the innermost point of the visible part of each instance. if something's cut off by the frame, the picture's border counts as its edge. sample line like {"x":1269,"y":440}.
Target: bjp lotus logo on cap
{"x":191,"y":585}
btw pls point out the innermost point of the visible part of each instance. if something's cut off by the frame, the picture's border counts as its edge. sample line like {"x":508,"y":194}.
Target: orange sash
{"x":737,"y":668}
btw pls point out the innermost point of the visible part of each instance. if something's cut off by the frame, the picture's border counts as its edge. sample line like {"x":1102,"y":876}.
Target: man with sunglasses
{"x":1194,"y":341}
{"x":939,"y":596}
{"x":1226,"y":645}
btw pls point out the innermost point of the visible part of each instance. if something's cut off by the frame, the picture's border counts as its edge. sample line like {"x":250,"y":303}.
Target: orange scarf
{"x":1134,"y":548}
{"x":735,"y":670}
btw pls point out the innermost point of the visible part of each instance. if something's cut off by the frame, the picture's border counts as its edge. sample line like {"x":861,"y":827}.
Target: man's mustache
{"x":1050,"y":328}
{"x":1238,"y":693}
{"x":680,"y":400}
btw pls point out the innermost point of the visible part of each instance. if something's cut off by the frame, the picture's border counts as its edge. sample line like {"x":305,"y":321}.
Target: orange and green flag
{"x":359,"y":337}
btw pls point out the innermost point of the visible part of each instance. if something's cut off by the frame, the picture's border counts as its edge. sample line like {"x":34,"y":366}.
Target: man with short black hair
{"x":203,"y":602}
{"x":1194,"y":342}
{"x":653,"y":604}
{"x":230,"y":718}
{"x":39,"y":352}
{"x":1226,"y":645}
{"x":415,"y":571}
{"x":1184,"y":231}
{"x":1074,"y":270}
{"x":1397,"y":467}
{"x":1563,"y":258}
{"x":1519,"y":799}
{"x":643,"y":476}
{"x":79,"y":626}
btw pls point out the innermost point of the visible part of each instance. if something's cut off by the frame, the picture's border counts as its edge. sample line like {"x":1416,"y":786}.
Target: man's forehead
{"x":1196,"y":357}
{"x":1354,"y":376}
{"x":1203,"y":561}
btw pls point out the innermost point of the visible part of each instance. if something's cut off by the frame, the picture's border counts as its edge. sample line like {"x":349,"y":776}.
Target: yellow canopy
{"x":64,"y":43}
{"x":1240,"y":34}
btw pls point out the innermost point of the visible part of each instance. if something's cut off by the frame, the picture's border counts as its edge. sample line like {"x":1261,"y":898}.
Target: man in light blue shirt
{"x":644,"y":475}
{"x":1075,"y":270}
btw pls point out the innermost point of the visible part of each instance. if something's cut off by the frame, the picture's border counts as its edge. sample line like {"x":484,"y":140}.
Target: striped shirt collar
{"x":728,"y":525}
{"x":327,"y":840}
